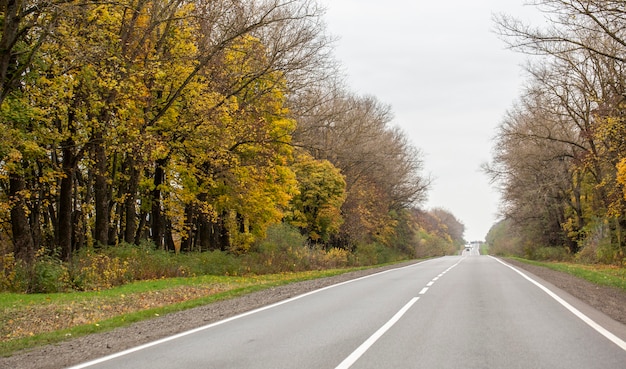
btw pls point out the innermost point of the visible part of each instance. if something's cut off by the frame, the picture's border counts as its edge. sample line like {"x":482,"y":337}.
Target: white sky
{"x":449,"y":80}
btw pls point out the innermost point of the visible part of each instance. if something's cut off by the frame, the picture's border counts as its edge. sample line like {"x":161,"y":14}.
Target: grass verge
{"x":28,"y":321}
{"x":605,"y":275}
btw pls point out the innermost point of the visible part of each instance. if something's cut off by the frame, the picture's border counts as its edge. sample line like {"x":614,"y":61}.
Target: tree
{"x":316,"y":209}
{"x":449,"y":224}
{"x":120,"y":97}
{"x":382,"y":170}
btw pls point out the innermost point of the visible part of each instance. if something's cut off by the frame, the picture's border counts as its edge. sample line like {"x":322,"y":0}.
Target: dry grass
{"x":23,"y":321}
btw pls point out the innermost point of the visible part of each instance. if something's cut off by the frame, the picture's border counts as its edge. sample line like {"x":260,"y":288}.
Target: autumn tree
{"x":25,"y":26}
{"x":117,"y":100}
{"x":437,"y":232}
{"x":570,"y":127}
{"x":381,"y":168}
{"x":316,"y":209}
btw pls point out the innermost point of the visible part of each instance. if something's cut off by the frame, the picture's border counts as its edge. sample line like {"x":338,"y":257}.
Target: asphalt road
{"x":454,"y":312}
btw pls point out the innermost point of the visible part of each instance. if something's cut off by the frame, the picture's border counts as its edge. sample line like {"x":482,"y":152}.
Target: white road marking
{"x":600,"y":329}
{"x":199,"y":329}
{"x":356,"y":354}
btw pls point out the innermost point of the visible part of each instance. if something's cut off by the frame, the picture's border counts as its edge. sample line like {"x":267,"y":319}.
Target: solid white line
{"x":251,"y":312}
{"x":356,"y":354}
{"x":600,"y":329}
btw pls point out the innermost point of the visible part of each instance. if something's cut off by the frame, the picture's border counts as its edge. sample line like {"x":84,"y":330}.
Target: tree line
{"x":195,"y":125}
{"x":559,"y":157}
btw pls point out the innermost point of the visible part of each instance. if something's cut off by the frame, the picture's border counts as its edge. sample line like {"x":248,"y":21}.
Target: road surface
{"x":463,"y":311}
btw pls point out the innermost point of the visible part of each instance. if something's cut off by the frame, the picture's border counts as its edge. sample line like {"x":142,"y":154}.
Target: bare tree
{"x":593,"y":25}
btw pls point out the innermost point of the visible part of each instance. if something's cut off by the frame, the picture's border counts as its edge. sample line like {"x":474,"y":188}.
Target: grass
{"x":605,"y":275}
{"x":28,"y":321}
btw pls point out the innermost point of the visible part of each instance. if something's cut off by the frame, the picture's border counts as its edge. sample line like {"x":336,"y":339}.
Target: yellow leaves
{"x":14,"y":155}
{"x":102,"y":15}
{"x":621,"y":175}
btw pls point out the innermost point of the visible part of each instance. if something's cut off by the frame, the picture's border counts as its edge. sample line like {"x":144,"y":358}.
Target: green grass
{"x":12,"y":304}
{"x":605,"y":275}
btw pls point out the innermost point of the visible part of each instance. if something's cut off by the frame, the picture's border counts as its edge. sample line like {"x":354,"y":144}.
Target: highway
{"x":465,"y":311}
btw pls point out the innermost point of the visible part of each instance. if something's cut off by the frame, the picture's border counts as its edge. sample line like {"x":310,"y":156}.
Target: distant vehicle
{"x":468,"y":247}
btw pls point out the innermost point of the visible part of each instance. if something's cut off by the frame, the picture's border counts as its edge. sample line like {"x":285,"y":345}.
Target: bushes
{"x":549,"y":254}
{"x":429,"y":245}
{"x":283,"y":250}
{"x":46,"y":274}
{"x":286,"y":249}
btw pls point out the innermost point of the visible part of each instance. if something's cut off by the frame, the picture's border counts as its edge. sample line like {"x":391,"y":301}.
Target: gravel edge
{"x":609,"y":300}
{"x":91,"y":347}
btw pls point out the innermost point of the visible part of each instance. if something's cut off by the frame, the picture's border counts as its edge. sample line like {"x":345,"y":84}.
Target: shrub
{"x":283,"y":249}
{"x":91,"y":270}
{"x":365,"y":254}
{"x":8,"y":273}
{"x":213,"y":263}
{"x":336,"y":258}
{"x":550,"y":254}
{"x":47,"y":275}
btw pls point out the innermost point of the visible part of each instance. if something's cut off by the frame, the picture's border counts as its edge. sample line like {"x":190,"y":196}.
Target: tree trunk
{"x":64,"y":226}
{"x":11,"y":22}
{"x":130,"y":214}
{"x":139,"y":235}
{"x":156,"y":216}
{"x":187,"y":241}
{"x":23,"y":245}
{"x":101,"y":192}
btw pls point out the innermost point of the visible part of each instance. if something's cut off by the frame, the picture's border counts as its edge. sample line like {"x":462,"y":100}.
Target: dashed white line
{"x":356,"y":354}
{"x":211,"y":325}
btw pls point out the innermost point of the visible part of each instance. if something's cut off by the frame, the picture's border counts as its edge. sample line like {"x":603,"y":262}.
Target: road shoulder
{"x":603,"y":304}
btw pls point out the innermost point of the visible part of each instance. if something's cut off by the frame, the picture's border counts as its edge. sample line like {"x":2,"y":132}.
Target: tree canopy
{"x":558,"y":151}
{"x":195,"y":125}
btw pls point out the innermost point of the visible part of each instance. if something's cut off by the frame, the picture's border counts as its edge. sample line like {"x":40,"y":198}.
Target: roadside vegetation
{"x":185,"y":138}
{"x":28,"y":320}
{"x":159,"y":154}
{"x":559,"y":156}
{"x":605,"y":275}
{"x":118,"y":285}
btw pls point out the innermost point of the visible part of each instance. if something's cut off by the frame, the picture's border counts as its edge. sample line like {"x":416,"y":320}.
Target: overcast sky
{"x":449,"y":80}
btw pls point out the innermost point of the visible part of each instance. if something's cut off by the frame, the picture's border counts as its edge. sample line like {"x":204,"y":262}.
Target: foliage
{"x":284,"y":249}
{"x":605,"y":275}
{"x":503,"y":240}
{"x":429,"y":245}
{"x":559,"y":152}
{"x":375,"y":253}
{"x":26,"y":320}
{"x":157,"y":139}
{"x":382,"y":170}
{"x":316,"y":209}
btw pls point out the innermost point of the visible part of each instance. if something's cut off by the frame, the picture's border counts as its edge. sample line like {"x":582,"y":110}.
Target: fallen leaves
{"x":23,"y":321}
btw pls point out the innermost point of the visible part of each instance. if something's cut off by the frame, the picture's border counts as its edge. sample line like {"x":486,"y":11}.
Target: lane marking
{"x":239,"y":316}
{"x":356,"y":354}
{"x":600,"y":329}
